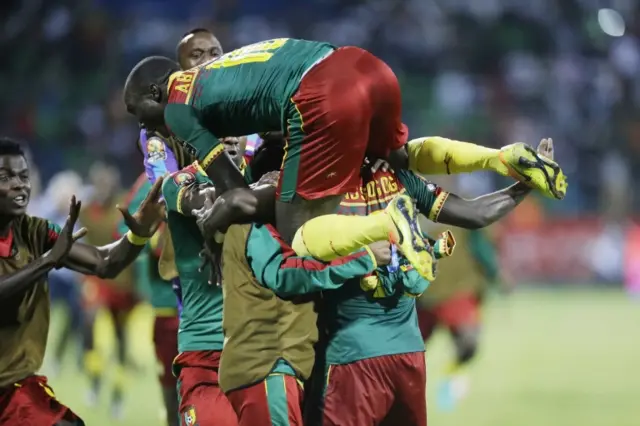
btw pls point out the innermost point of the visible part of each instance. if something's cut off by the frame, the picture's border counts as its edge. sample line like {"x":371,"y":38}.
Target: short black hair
{"x":152,"y":69}
{"x":10,"y":146}
{"x":195,"y":31}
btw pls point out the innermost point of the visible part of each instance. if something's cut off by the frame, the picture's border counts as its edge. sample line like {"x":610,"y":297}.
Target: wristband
{"x":136,"y":240}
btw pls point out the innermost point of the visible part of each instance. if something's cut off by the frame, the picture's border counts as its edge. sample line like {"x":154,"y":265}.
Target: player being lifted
{"x":383,"y":380}
{"x":335,"y":105}
{"x":29,"y":248}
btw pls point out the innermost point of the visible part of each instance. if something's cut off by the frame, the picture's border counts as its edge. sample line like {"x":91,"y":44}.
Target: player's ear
{"x":156,"y":93}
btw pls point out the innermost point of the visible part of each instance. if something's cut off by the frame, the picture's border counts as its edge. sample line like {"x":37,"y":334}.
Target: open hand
{"x":146,"y":220}
{"x":545,"y":148}
{"x":67,"y":237}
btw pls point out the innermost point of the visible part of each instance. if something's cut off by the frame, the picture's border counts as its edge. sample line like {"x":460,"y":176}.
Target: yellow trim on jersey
{"x":165,"y":312}
{"x":373,"y":202}
{"x":437,"y":206}
{"x":179,"y":199}
{"x":211,"y":156}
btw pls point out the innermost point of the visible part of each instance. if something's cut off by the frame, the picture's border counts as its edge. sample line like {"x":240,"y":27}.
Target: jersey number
{"x":257,"y":52}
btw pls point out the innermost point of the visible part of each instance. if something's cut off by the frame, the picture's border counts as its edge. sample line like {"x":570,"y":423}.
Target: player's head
{"x":145,"y":91}
{"x":232,"y":148}
{"x":197,"y":47}
{"x":267,"y":158}
{"x":15,"y":187}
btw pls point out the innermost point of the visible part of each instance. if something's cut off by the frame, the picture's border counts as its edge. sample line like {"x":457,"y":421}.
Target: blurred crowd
{"x":491,"y":71}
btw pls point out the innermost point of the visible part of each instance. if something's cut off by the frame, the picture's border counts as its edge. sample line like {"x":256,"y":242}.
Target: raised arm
{"x":108,"y":261}
{"x":59,"y":241}
{"x":277,"y":267}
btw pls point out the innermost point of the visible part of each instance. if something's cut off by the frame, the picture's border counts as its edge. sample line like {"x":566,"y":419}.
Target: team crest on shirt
{"x":184,"y":178}
{"x":156,"y":150}
{"x":189,"y":416}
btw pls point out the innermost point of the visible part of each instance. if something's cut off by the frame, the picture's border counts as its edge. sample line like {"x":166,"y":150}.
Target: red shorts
{"x":165,"y":340}
{"x":347,"y":106}
{"x":277,"y":400}
{"x":202,"y":402}
{"x":387,"y":390}
{"x":99,"y":292}
{"x":32,"y":402}
{"x":459,"y":311}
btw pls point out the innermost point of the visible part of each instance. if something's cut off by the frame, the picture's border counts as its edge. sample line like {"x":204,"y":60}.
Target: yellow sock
{"x":437,"y":156}
{"x":331,"y":236}
{"x":93,"y":363}
{"x":119,"y":378}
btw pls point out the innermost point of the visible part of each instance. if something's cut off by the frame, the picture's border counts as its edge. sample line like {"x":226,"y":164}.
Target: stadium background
{"x":564,"y":347}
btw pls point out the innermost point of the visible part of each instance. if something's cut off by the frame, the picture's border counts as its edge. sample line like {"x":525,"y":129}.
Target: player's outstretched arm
{"x":36,"y":270}
{"x":482,"y":211}
{"x":108,"y":261}
{"x":277,"y":267}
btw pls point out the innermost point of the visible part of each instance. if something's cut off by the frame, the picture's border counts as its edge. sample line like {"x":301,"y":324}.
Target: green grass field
{"x":548,"y":358}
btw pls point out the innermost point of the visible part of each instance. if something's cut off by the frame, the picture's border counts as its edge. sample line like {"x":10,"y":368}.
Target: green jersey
{"x":201,"y":316}
{"x":361,"y":324}
{"x":150,"y":285}
{"x":242,"y":92}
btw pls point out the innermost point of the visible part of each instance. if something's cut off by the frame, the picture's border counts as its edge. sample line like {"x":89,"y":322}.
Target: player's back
{"x":24,"y":317}
{"x":246,"y":90}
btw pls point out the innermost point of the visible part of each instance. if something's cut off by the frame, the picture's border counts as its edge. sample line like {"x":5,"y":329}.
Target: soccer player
{"x":336,"y":105}
{"x":268,"y":339}
{"x":159,"y":293}
{"x":100,"y":217}
{"x":454,"y":303}
{"x":197,"y":47}
{"x":382,"y":380}
{"x":29,"y":248}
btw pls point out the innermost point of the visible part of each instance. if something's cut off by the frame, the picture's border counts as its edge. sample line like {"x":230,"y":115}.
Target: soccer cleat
{"x":534,"y":170}
{"x":410,"y":242}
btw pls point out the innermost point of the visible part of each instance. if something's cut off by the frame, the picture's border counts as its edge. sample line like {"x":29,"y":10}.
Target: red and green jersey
{"x":201,"y":316}
{"x":358,"y":324}
{"x":242,"y":92}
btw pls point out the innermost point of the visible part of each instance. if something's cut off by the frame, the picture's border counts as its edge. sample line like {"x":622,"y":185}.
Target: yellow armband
{"x":136,"y":240}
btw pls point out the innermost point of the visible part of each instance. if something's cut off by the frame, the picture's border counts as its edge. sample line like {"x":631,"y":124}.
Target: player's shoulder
{"x":183,"y":177}
{"x":33,"y":228}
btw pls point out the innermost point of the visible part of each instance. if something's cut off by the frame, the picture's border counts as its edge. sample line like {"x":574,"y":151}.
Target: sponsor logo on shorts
{"x":156,"y":150}
{"x":189,"y":416}
{"x":184,"y":178}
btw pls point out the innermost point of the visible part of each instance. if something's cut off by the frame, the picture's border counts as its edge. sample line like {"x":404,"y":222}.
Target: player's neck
{"x":5,"y":225}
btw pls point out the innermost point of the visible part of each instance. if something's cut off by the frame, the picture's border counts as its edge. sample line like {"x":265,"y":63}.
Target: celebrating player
{"x":259,"y":370}
{"x":384,"y":379}
{"x":29,"y":248}
{"x":149,"y":274}
{"x":335,"y":104}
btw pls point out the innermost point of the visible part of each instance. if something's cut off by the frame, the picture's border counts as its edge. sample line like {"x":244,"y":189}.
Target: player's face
{"x":198,"y":48}
{"x":15,"y":187}
{"x":232,"y":147}
{"x":149,"y":113}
